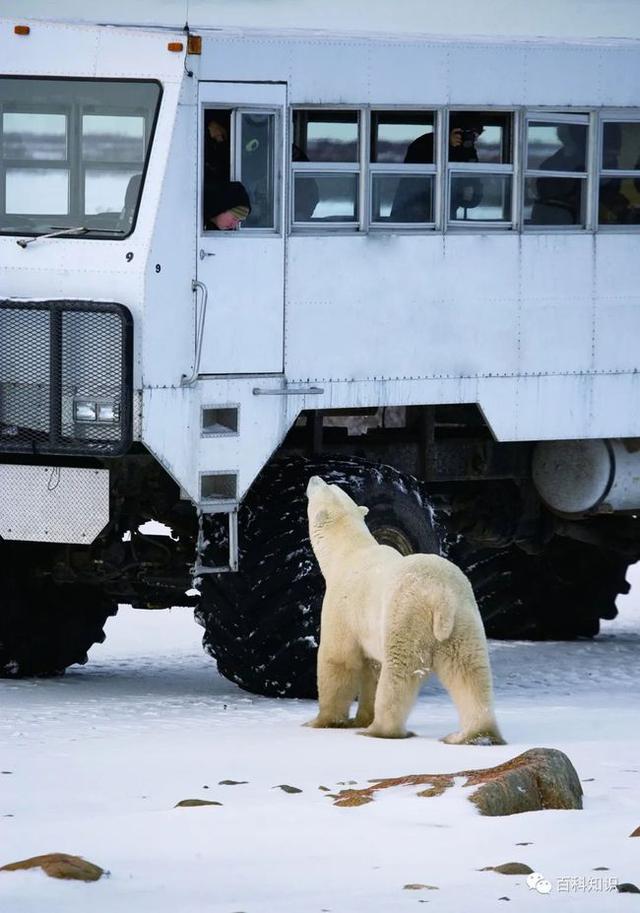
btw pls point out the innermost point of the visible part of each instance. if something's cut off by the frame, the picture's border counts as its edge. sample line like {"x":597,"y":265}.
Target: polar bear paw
{"x":377,"y":733}
{"x":324,"y":723}
{"x":477,"y":737}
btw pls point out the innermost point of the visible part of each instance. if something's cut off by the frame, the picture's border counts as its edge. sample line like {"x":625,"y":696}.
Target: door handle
{"x":199,"y":328}
{"x":204,"y":253}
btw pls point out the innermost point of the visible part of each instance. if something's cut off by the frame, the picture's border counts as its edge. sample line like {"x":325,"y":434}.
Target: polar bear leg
{"x":337,"y":689}
{"x":396,"y":694}
{"x":468,"y":681}
{"x":367,"y":693}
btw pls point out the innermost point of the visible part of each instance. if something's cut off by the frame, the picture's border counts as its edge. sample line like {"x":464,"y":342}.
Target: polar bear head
{"x":330,"y":508}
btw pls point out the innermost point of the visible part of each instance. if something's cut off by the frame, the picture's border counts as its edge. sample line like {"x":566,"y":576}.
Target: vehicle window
{"x":619,"y":179}
{"x":72,"y":153}
{"x":555,"y":190}
{"x":402,"y":167}
{"x":256,"y":167}
{"x":241,"y":145}
{"x":480,"y":167}
{"x":325,"y":164}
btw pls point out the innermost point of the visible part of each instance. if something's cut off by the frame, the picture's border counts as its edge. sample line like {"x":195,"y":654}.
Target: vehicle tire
{"x":560,"y":594}
{"x":46,"y":627}
{"x":262,"y":623}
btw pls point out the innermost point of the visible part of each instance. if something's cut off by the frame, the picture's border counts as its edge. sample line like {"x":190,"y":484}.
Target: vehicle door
{"x":243,"y":269}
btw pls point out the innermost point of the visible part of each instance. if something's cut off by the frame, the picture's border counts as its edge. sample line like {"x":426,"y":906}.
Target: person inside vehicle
{"x":559,"y":200}
{"x":217,"y":149}
{"x":226,"y":205}
{"x":619,"y":198}
{"x":412,"y":205}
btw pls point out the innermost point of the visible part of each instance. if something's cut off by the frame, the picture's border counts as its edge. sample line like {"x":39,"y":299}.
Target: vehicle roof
{"x":549,"y":19}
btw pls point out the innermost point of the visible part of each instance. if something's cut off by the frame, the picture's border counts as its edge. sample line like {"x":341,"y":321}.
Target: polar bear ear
{"x":364,"y":511}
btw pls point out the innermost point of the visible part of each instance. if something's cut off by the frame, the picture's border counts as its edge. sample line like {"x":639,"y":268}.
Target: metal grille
{"x":65,"y":377}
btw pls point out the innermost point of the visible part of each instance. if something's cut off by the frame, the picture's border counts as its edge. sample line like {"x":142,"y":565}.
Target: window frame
{"x":74,"y":159}
{"x":475,"y":226}
{"x":555,"y":116}
{"x":235,"y":140}
{"x":358,"y":167}
{"x":403,"y":169}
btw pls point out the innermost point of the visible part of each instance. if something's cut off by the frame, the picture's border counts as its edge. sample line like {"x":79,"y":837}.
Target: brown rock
{"x":420,"y":887}
{"x":59,"y":865}
{"x":635,"y":833}
{"x":509,"y":868}
{"x":193,"y":803}
{"x":537,"y":779}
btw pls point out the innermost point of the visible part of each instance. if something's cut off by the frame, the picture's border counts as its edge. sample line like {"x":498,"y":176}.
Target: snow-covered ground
{"x":93,"y":764}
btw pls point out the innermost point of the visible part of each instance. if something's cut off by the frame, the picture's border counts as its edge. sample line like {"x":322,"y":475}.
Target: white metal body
{"x":539,"y":329}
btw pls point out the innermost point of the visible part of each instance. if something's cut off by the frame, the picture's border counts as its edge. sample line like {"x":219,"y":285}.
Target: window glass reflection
{"x":398,"y":198}
{"x":480,"y":197}
{"x":107,"y":138}
{"x":32,"y":136}
{"x":257,"y":171}
{"x":621,"y":146}
{"x":326,"y":136}
{"x":325,"y":197}
{"x":619,"y":201}
{"x":555,"y":201}
{"x":396,"y":136}
{"x":619,"y":197}
{"x":556,"y":147}
{"x":105,"y":191}
{"x":37,"y":191}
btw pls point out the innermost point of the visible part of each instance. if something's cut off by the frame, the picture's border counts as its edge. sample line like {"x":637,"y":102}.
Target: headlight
{"x":84,"y":410}
{"x":89,"y":410}
{"x":108,"y":412}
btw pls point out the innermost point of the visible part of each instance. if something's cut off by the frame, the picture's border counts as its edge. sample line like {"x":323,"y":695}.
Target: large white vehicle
{"x":435,"y":301}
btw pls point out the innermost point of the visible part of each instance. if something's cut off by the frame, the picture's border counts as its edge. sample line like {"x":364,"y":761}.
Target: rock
{"x":525,"y":843}
{"x":509,"y":868}
{"x":635,"y":833}
{"x":601,"y":868}
{"x":59,"y":865}
{"x":627,"y":888}
{"x":193,"y":803}
{"x":287,"y":789}
{"x":232,"y":782}
{"x":419,"y":887}
{"x":537,"y":779}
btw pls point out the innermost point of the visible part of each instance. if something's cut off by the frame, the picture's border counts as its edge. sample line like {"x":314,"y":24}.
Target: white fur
{"x":387,"y":622}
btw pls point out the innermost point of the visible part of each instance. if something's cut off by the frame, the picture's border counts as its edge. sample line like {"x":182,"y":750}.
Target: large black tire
{"x":45,"y":627}
{"x":262,"y":623}
{"x":560,"y":594}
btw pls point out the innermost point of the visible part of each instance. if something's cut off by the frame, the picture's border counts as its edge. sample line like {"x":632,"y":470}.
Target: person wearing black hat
{"x":226,"y":204}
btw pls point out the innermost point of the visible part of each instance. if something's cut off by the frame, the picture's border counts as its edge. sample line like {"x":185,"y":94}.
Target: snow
{"x":96,"y":761}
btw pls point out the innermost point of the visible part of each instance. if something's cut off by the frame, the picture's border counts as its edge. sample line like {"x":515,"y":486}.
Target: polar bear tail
{"x":443,"y":618}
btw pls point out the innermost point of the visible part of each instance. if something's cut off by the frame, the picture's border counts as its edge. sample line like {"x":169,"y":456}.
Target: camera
{"x":468,"y":137}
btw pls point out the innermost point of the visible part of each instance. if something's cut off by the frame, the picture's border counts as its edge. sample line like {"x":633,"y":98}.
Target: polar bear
{"x":389,"y":620}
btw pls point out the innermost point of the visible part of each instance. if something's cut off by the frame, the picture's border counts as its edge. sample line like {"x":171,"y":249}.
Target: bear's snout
{"x":314,"y":483}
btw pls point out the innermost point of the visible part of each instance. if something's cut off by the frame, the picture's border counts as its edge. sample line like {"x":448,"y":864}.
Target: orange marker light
{"x":21,"y":29}
{"x":175,"y":46}
{"x":194,"y":44}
